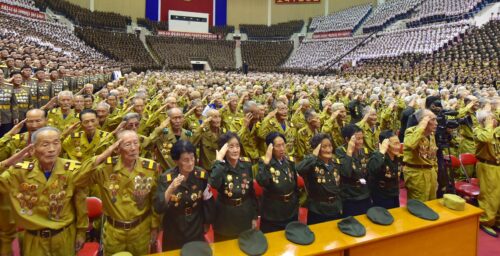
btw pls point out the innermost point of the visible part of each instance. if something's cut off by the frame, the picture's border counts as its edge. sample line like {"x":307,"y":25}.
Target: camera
{"x":443,"y":137}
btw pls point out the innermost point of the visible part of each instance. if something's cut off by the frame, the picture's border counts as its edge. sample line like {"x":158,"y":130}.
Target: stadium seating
{"x":389,"y":12}
{"x":221,"y":31}
{"x":278,"y":31}
{"x":265,"y":56}
{"x":153,"y":25}
{"x":346,"y":20}
{"x":26,"y":4}
{"x":432,"y":11}
{"x":176,"y":52}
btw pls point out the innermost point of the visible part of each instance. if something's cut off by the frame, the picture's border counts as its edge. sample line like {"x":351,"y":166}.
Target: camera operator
{"x":419,"y":157}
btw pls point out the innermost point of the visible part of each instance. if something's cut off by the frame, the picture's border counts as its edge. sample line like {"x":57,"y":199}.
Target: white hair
{"x":64,"y":93}
{"x":481,"y":115}
{"x":337,"y":106}
{"x":34,"y":136}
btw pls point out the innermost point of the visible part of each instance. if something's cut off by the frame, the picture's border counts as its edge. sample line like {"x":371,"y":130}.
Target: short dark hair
{"x":386,"y":134}
{"x":224,"y":138}
{"x":318,"y":138}
{"x":86,"y":96}
{"x":15,"y":72}
{"x":273,"y":135}
{"x":180,"y":147}
{"x":349,"y":130}
{"x":87,"y":111}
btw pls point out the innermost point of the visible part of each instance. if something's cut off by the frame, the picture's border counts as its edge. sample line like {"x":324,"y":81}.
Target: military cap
{"x":380,"y":215}
{"x":122,"y":254}
{"x":299,"y":233}
{"x":421,"y":210}
{"x":351,"y":226}
{"x":252,"y":242}
{"x":453,"y":202}
{"x":198,"y":248}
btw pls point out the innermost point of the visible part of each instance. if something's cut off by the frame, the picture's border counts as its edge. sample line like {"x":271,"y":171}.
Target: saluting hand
{"x":70,"y":129}
{"x":220,"y":154}
{"x":248,"y":118}
{"x":269,"y":154}
{"x":351,"y":145}
{"x":100,"y":158}
{"x":316,"y":150}
{"x":206,"y":122}
{"x":17,"y":157}
{"x":384,"y":146}
{"x":16,"y":128}
{"x":335,"y":114}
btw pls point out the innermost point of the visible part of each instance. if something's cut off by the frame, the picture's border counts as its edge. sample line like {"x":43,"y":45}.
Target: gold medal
{"x":230,"y":194}
{"x":194,"y":196}
{"x":319,"y":180}
{"x":229,"y":178}
{"x":277,"y":173}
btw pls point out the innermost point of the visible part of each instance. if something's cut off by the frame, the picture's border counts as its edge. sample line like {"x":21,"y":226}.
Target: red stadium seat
{"x":452,"y":161}
{"x":94,"y":211}
{"x":468,"y":189}
{"x":468,"y":159}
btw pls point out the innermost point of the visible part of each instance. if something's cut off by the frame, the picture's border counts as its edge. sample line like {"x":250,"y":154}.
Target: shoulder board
{"x":337,"y":161}
{"x":366,"y":151}
{"x":201,"y":174}
{"x":76,"y":135}
{"x":71,"y":165}
{"x":111,"y":160}
{"x":149,"y":164}
{"x":17,"y":137}
{"x":165,"y":130}
{"x":263,"y":158}
{"x":25,"y":165}
{"x":245,"y":159}
{"x":224,"y":130}
{"x":291,"y":159}
{"x":271,"y":122}
{"x":188,"y":133}
{"x":291,"y":125}
{"x":257,"y":125}
{"x":169,"y":177}
{"x":53,"y":111}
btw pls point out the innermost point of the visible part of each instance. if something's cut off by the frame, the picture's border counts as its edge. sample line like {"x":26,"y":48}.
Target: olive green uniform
{"x":207,"y":142}
{"x":57,"y":119}
{"x":164,"y":140}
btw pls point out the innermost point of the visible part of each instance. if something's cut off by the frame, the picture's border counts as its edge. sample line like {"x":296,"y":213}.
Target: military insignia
{"x":142,"y":187}
{"x":229,"y":177}
{"x":291,"y":159}
{"x":188,"y":133}
{"x":25,"y":165}
{"x":165,"y":130}
{"x":71,"y":166}
{"x":147,"y":164}
{"x":168,"y":177}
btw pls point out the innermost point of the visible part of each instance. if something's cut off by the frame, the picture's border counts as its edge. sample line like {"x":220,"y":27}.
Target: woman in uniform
{"x":184,"y":199}
{"x":277,"y":175}
{"x":322,"y":178}
{"x":232,"y":177}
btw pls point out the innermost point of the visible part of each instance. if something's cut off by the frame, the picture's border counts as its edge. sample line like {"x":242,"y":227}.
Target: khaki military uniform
{"x":10,"y":145}
{"x":23,"y":97}
{"x":298,"y":120}
{"x":269,"y":125}
{"x":127,"y":198}
{"x":164,"y":140}
{"x":78,"y":147}
{"x":333,"y":128}
{"x":420,"y":170}
{"x":231,"y":120}
{"x":303,"y":145}
{"x":467,"y":144}
{"x":46,"y":208}
{"x":249,"y":143}
{"x":488,"y":172}
{"x":192,"y":122}
{"x":61,"y":122}
{"x":41,"y":92}
{"x":207,"y":142}
{"x":389,"y":120}
{"x":370,"y":136}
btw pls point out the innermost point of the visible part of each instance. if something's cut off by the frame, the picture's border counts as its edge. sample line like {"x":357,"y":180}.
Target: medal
{"x":229,"y":178}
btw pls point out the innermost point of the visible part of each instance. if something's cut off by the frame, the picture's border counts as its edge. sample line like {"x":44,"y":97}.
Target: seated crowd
{"x":125,"y":47}
{"x":282,"y":30}
{"x":153,"y":25}
{"x":265,"y":56}
{"x":177,"y":52}
{"x":156,"y":146}
{"x":445,"y":10}
{"x":345,"y":20}
{"x":84,"y":17}
{"x":26,"y":4}
{"x":221,"y":31}
{"x":472,"y":58}
{"x":388,"y":12}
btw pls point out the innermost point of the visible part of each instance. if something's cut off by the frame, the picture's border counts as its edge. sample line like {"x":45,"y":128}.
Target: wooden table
{"x":455,"y":233}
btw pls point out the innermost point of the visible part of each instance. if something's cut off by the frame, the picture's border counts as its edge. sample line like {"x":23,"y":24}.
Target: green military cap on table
{"x":453,"y":202}
{"x":380,"y":215}
{"x":198,"y":248}
{"x":351,"y":226}
{"x":421,"y":210}
{"x":299,"y":233}
{"x":252,"y":242}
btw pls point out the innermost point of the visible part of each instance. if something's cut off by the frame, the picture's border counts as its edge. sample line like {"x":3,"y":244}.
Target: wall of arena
{"x":238,"y":11}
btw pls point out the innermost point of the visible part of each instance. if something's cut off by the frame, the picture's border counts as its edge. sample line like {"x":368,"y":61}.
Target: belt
{"x":47,"y":232}
{"x":284,"y":198}
{"x":233,"y":201}
{"x":418,"y":166}
{"x":127,"y":225}
{"x":482,"y":160}
{"x":187,"y":211}
{"x":325,"y":199}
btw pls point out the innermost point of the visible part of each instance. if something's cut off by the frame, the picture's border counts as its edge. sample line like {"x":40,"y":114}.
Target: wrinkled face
{"x":88,"y":90}
{"x":342,"y":114}
{"x":78,"y":102}
{"x":139,"y":106}
{"x":132,"y":124}
{"x":89,"y":123}
{"x":359,"y":140}
{"x":171,"y":103}
{"x":65,"y":102}
{"x":102,"y":113}
{"x":282,"y":113}
{"x":17,"y":79}
{"x":47,"y":147}
{"x":176,"y":120}
{"x":279,"y":148}
{"x":218,"y":101}
{"x":88,"y":102}
{"x":372,"y":118}
{"x":326,"y":150}
{"x":314,"y":121}
{"x":186,"y":162}
{"x":35,"y":120}
{"x":394,"y":145}
{"x":233,"y":150}
{"x":129,"y":147}
{"x":233,"y":103}
{"x":305,"y":107}
{"x":112,"y":101}
{"x":432,"y":124}
{"x":216,"y":119}
{"x":198,"y":110}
